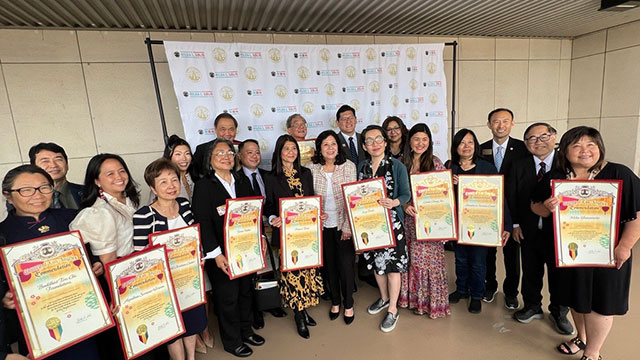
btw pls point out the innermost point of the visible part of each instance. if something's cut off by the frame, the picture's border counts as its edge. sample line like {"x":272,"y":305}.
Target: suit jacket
{"x":263,"y":174}
{"x":514,"y":151}
{"x":208,"y":195}
{"x":522,"y":182}
{"x":198,"y":166}
{"x":276,"y":187}
{"x":344,"y":146}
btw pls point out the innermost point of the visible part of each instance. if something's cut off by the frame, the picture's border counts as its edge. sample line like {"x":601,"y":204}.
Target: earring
{"x":100,"y":192}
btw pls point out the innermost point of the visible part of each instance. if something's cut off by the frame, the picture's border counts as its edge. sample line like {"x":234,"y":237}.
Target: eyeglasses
{"x":299,"y":125}
{"x":347,"y":118}
{"x":225,"y":153}
{"x":534,"y":139}
{"x":30,"y":191}
{"x":390,"y":129}
{"x":378,"y":140}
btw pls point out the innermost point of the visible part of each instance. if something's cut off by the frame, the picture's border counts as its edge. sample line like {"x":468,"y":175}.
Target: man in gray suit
{"x":350,"y":142}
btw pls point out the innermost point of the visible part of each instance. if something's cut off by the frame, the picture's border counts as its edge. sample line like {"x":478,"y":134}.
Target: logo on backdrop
{"x":202,"y":113}
{"x":193,"y":73}
{"x":413,"y":84}
{"x":325,"y":55}
{"x":431,"y":68}
{"x":226,"y":93}
{"x":274,"y":55}
{"x":433,"y":98}
{"x":281,"y":91}
{"x":307,"y":107}
{"x":351,"y":72}
{"x":303,"y":72}
{"x":257,"y":110}
{"x":374,"y":86}
{"x":329,"y":89}
{"x":219,"y":55}
{"x":251,"y":73}
{"x":411,"y":53}
{"x":371,"y":54}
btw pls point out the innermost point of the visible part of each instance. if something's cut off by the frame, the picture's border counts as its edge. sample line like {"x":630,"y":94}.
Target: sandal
{"x":565,"y":347}
{"x":584,"y":357}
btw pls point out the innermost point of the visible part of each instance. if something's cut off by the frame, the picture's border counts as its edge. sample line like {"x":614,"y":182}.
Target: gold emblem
{"x":413,"y":84}
{"x":226,"y":93}
{"x":325,"y":54}
{"x":376,"y":119}
{"x":219,"y":55}
{"x":333,"y":124}
{"x":374,"y":86}
{"x":44,"y":228}
{"x":415,"y":115}
{"x":350,"y":71}
{"x":283,"y":125}
{"x":307,"y":107}
{"x":303,"y":72}
{"x":355,"y":103}
{"x":435,"y":128}
{"x":202,"y":113}
{"x":251,"y":73}
{"x":274,"y":55}
{"x":411,"y":53}
{"x":392,"y":69}
{"x":257,"y":110}
{"x":264,"y":145}
{"x":433,"y":98}
{"x":281,"y":91}
{"x":431,"y":68}
{"x":371,"y":54}
{"x":193,"y":74}
{"x":394,"y":101}
{"x":329,"y":89}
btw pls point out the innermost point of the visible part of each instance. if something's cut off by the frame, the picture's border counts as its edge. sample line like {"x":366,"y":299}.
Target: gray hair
{"x":290,"y":119}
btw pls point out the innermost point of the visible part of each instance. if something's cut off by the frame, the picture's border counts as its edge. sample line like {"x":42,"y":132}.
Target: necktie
{"x":354,"y":153}
{"x":542,"y":170}
{"x":255,"y":185}
{"x":499,"y":157}
{"x":56,"y":200}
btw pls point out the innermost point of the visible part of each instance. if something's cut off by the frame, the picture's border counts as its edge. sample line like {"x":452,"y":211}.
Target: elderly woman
{"x":397,"y":134}
{"x":593,"y":294}
{"x":388,"y":263}
{"x":330,"y":169}
{"x":169,"y":212}
{"x":30,"y":190}
{"x":232,"y":298}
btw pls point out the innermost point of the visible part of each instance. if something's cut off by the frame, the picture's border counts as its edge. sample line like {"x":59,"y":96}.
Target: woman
{"x":29,"y":189}
{"x":388,"y":263}
{"x":232,"y":298}
{"x":594,"y":294}
{"x":299,"y":289}
{"x":169,"y":212}
{"x":330,"y":169}
{"x":471,"y":264}
{"x":397,"y":134}
{"x":424,"y":287}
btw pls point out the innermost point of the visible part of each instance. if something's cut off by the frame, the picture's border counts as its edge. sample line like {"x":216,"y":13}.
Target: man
{"x":297,"y":127}
{"x":249,"y":156}
{"x":502,"y":151}
{"x":350,"y":142}
{"x":537,"y":250}
{"x":53,"y":159}
{"x":225,"y":126}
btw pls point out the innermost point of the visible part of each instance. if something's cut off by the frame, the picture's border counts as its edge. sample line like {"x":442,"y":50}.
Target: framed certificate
{"x":307,"y":150}
{"x":243,"y":236}
{"x":58,"y":299}
{"x":433,"y":199}
{"x":141,"y":287}
{"x":184,"y":253}
{"x":480,"y":210}
{"x":586,"y":222}
{"x":370,"y":222}
{"x":300,"y":233}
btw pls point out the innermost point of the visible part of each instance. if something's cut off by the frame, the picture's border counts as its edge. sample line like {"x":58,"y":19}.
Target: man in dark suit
{"x":226,"y":127}
{"x":503,"y":151}
{"x":53,"y":159}
{"x":536,"y":248}
{"x":350,"y":142}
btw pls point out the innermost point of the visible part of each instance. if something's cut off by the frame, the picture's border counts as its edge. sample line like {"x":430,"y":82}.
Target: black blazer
{"x":515,"y":150}
{"x":344,"y":146}
{"x":208,"y":195}
{"x":263,"y":174}
{"x":277,"y":187}
{"x":522,"y":182}
{"x":198,"y":167}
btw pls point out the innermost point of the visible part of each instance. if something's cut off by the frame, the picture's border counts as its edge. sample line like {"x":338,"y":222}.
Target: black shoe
{"x":455,"y":297}
{"x":562,"y":324}
{"x":528,"y":313}
{"x":355,"y":287}
{"x":489,"y":295}
{"x":278,"y":312}
{"x":475,"y":306}
{"x":308,"y":319}
{"x":349,"y":319}
{"x":326,"y":296}
{"x":450,"y":246}
{"x":242,"y":351}
{"x":301,"y":326}
{"x":255,"y":340}
{"x":332,"y":315}
{"x":258,"y":320}
{"x":511,"y":302}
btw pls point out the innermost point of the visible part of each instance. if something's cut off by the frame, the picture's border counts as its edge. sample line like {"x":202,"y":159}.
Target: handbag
{"x":266,"y":293}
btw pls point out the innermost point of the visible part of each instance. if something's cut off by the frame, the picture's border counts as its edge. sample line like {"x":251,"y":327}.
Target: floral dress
{"x":299,"y":289}
{"x":425,"y":287}
{"x":391,"y":259}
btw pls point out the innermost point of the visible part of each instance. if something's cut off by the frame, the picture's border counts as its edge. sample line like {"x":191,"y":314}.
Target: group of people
{"x":193,"y":188}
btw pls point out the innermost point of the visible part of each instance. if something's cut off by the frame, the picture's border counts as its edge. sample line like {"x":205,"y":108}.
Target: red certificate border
{"x":388,"y":216}
{"x":19,"y":311}
{"x":204,"y":291}
{"x":320,"y":243}
{"x":171,"y":290}
{"x":615,"y":226}
{"x":502,"y":203}
{"x":226,"y":241}
{"x":453,"y":206}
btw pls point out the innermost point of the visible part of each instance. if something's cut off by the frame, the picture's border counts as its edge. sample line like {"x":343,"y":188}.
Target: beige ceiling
{"x":524,"y":18}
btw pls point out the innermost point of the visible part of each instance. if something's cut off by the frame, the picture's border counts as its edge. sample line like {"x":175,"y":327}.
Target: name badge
{"x":487,"y":152}
{"x":221,"y":209}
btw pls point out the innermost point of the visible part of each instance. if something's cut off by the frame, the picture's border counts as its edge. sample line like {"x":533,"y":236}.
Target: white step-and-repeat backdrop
{"x":262,"y":84}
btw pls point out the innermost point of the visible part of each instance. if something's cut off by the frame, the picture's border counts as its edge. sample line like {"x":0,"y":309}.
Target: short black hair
{"x":225,"y":115}
{"x":344,"y":108}
{"x":317,"y":156}
{"x":53,"y":147}
{"x":384,"y":135}
{"x":457,"y":139}
{"x":571,"y":137}
{"x":550,"y":129}
{"x":498,"y":110}
{"x":173,"y":142}
{"x":242,"y":144}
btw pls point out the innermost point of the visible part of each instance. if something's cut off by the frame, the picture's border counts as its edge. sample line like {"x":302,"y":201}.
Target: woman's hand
{"x":388,"y":203}
{"x":455,"y":179}
{"x":97,"y":268}
{"x":345,"y":236}
{"x":410,"y":210}
{"x":324,"y":216}
{"x":221,"y":262}
{"x":505,"y":237}
{"x":7,"y":301}
{"x":621,"y":254}
{"x":551,"y":203}
{"x":276,"y":222}
{"x":115,"y":309}
{"x":16,"y":357}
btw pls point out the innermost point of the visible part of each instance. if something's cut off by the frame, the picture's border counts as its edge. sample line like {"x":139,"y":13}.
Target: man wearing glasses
{"x":297,"y":127}
{"x":537,"y":250}
{"x":350,"y":141}
{"x":53,"y":159}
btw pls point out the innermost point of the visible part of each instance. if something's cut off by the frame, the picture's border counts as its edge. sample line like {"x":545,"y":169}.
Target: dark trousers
{"x":233,"y":303}
{"x":471,"y":269}
{"x":538,"y":251}
{"x":339,"y":256}
{"x":511,"y":254}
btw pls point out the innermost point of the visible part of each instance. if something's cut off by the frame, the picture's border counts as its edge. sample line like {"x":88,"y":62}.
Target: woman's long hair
{"x":276,"y":158}
{"x":426,"y":159}
{"x":404,"y":138}
{"x":91,"y":191}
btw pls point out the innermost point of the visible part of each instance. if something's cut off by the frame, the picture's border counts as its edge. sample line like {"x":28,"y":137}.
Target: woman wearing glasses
{"x":388,"y":263}
{"x":30,"y":190}
{"x":397,"y":134}
{"x":232,"y":298}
